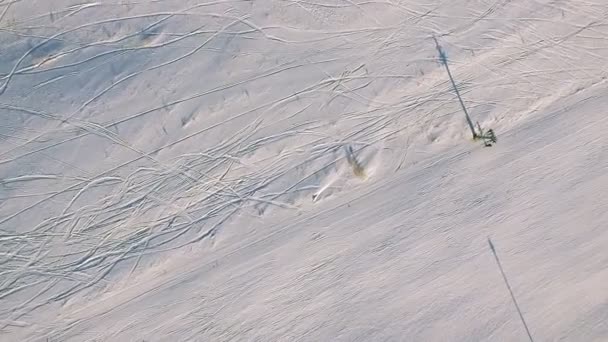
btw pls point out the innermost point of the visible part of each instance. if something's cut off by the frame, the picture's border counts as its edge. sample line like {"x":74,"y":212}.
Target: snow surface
{"x":286,"y":170}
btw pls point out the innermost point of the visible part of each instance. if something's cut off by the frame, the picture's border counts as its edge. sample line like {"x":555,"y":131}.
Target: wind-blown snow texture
{"x":180,"y":170}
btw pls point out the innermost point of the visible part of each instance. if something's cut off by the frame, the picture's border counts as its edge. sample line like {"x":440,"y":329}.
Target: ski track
{"x":137,"y":133}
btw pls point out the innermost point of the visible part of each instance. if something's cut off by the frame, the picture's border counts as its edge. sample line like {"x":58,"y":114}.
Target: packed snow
{"x":302,"y":170}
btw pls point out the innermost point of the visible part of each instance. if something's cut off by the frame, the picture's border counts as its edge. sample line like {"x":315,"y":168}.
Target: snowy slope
{"x":301,"y":170}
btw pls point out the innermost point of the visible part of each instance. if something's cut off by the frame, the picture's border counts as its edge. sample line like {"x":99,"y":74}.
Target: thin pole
{"x":504,"y":276}
{"x":444,"y":60}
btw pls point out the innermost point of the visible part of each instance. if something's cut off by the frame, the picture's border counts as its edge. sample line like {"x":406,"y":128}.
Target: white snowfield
{"x":301,"y":170}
